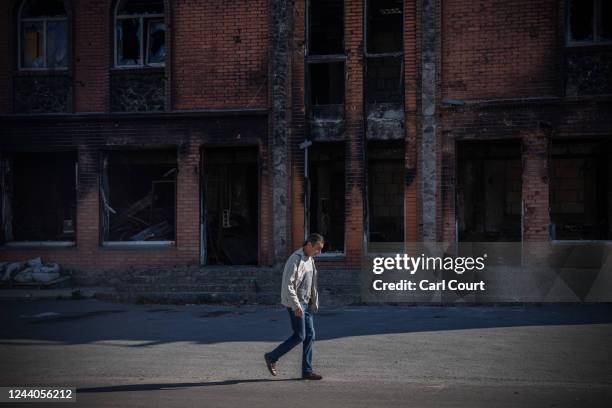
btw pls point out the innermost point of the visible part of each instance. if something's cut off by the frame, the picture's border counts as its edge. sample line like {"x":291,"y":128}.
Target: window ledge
{"x":338,"y":256}
{"x":561,"y":242}
{"x":38,"y":244}
{"x":139,"y":245}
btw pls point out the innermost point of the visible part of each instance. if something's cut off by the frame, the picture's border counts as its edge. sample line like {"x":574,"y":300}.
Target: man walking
{"x":299,"y":293}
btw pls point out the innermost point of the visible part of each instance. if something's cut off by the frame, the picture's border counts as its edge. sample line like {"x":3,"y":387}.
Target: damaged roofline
{"x":195,"y":113}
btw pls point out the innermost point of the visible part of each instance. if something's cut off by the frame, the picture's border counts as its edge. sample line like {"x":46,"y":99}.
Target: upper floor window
{"x":140,"y":33}
{"x":43,"y":35}
{"x":589,"y":21}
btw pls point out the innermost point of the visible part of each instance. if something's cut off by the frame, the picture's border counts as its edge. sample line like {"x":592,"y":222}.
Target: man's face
{"x":314,"y":250}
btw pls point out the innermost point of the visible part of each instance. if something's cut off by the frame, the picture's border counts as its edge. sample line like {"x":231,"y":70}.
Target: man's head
{"x":313,"y":244}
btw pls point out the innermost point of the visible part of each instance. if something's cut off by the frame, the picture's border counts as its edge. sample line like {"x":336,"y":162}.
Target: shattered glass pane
{"x":141,"y":7}
{"x":581,"y":20}
{"x":156,"y":42}
{"x":32,"y":55}
{"x":57,"y":41}
{"x":128,"y":41}
{"x":43,"y":8}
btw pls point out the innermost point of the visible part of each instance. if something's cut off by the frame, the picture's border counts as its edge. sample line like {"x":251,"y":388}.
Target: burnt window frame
{"x":44,"y":20}
{"x":368,"y":55}
{"x":144,"y":20}
{"x":7,"y":165}
{"x":595,"y":27}
{"x":103,"y":184}
{"x":311,"y":59}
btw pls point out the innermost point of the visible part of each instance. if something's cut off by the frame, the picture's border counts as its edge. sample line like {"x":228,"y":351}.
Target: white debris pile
{"x":33,"y":270}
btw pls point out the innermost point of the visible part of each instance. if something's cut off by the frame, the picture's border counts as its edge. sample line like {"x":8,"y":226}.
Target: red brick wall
{"x":536,"y":181}
{"x":93,"y":42}
{"x":499,"y":48}
{"x":220,"y":51}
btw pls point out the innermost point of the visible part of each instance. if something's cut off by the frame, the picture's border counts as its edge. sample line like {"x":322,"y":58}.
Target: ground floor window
{"x":385,"y":196}
{"x":581,"y":190}
{"x":325,"y":210}
{"x":489,"y":191}
{"x":138,"y":195}
{"x":39,"y":196}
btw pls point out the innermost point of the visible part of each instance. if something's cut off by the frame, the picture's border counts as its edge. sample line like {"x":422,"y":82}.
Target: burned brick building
{"x":159,"y":133}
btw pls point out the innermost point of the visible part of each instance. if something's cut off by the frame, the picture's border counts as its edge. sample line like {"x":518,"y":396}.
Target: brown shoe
{"x":270,"y":364}
{"x":311,"y":376}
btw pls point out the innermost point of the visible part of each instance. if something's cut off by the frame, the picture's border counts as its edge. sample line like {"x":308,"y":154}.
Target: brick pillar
{"x":298,"y":122}
{"x":536,"y":182}
{"x":355,"y":181}
{"x":411,"y":224}
{"x":280,"y":119}
{"x":447,"y":189}
{"x":188,"y":203}
{"x":91,"y":59}
{"x":88,"y":203}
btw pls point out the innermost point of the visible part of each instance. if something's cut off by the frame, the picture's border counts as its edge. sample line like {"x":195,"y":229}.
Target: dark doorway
{"x":230,"y":188}
{"x":489,"y":191}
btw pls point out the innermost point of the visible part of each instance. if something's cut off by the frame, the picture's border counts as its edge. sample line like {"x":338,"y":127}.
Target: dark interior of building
{"x":385,"y":191}
{"x":489,"y":191}
{"x":326,"y":177}
{"x":231,"y":196}
{"x":139,"y":195}
{"x":384,"y":26}
{"x":326,"y":27}
{"x":326,"y":83}
{"x":40,"y":196}
{"x":580,"y":190}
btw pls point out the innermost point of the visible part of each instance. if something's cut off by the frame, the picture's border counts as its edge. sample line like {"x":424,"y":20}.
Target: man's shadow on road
{"x":169,"y":386}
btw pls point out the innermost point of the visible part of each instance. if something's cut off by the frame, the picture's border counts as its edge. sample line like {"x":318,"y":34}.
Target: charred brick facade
{"x":428,"y":76}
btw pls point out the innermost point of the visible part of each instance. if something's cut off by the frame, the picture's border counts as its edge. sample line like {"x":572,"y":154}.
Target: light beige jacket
{"x":293,"y":273}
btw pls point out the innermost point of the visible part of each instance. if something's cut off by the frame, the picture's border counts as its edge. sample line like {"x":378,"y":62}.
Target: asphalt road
{"x":212,"y":356}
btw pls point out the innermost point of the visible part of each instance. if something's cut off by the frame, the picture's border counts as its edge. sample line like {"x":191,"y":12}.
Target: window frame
{"x":595,"y":27}
{"x":44,"y":20}
{"x":143,"y":42}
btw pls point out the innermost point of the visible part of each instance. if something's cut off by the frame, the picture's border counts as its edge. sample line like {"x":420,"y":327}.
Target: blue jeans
{"x":303,"y":332}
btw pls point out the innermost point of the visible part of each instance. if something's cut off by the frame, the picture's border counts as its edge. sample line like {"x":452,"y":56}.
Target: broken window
{"x":327,"y":84}
{"x":43,"y":39}
{"x":231,"y":212}
{"x":489,"y":191}
{"x":589,"y":21}
{"x":384,"y":69}
{"x":140,"y":33}
{"x":325,"y":211}
{"x":325,"y":66}
{"x":384,"y":22}
{"x":385,"y":196}
{"x":581,"y":190}
{"x":39,"y":196}
{"x":138,"y":195}
{"x":384,"y":80}
{"x":326,"y":27}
